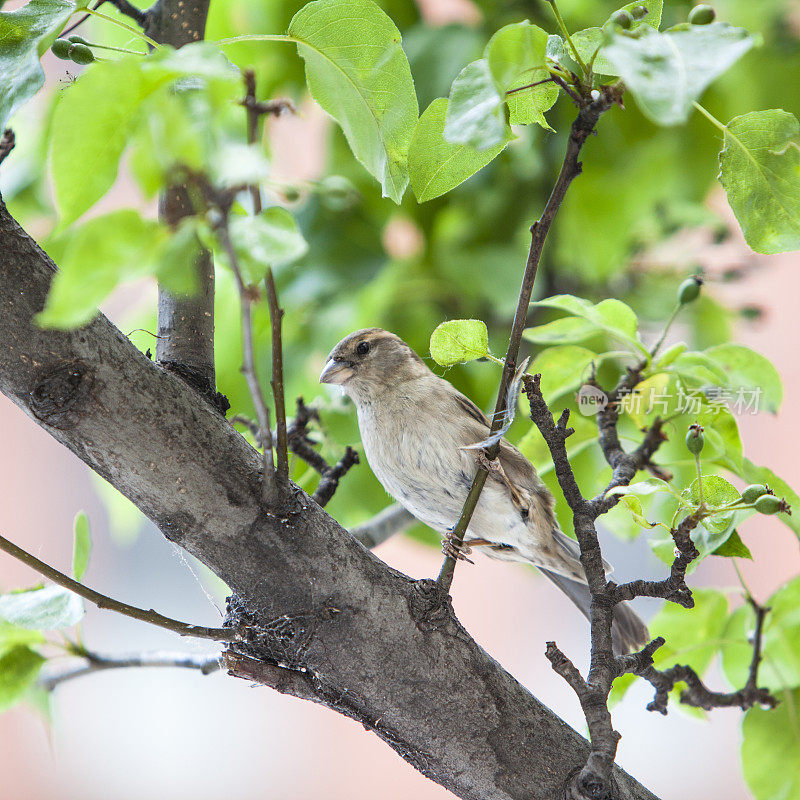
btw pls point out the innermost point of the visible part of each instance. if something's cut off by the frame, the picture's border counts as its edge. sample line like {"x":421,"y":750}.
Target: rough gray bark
{"x":358,"y":636}
{"x":185,"y":343}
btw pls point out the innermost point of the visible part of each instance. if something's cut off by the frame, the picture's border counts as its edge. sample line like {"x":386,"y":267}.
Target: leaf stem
{"x":103,"y":601}
{"x":155,"y":45}
{"x":565,"y":32}
{"x":657,"y":346}
{"x":710,"y":117}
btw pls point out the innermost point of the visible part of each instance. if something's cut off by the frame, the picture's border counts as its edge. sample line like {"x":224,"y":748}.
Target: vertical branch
{"x":185,"y":343}
{"x":275,"y":311}
{"x":589,"y":113}
{"x":268,"y":487}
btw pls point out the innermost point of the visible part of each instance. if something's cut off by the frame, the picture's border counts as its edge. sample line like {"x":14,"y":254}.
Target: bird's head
{"x":368,"y":362}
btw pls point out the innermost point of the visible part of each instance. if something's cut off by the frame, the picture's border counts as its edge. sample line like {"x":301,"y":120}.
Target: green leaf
{"x":771,"y":749}
{"x":101,"y":253}
{"x":746,"y":370}
{"x":24,"y":35}
{"x":563,"y":369}
{"x":436,"y":166}
{"x":357,"y":71}
{"x":82,"y":546}
{"x":733,"y":547}
{"x":238,"y":164}
{"x":94,"y":118}
{"x":609,"y":316}
{"x":516,"y":57}
{"x":476,"y":110}
{"x":459,"y":340}
{"x":269,"y":239}
{"x":19,"y":669}
{"x":666,"y":72}
{"x":760,"y":170}
{"x":13,"y":635}
{"x":567,"y":330}
{"x":45,"y":609}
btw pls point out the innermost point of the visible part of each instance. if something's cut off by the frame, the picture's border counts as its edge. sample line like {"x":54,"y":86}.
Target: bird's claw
{"x":455,"y":550}
{"x":492,"y":465}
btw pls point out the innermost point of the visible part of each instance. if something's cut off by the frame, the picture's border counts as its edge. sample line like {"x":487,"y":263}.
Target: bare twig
{"x":590,"y":112}
{"x":269,"y":494}
{"x":551,"y":79}
{"x":6,"y":144}
{"x":300,"y":445}
{"x":94,"y":662}
{"x":105,"y":602}
{"x":329,"y":481}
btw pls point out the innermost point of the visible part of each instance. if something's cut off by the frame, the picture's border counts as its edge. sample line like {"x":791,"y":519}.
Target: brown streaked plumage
{"x":415,"y":425}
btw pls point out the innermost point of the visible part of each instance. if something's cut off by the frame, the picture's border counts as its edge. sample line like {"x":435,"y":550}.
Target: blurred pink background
{"x":131,"y":734}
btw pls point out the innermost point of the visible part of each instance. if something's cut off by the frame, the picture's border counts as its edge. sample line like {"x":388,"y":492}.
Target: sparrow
{"x":419,"y":433}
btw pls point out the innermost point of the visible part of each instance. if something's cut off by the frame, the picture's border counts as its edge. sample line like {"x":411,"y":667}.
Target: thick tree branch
{"x":393,"y":650}
{"x":94,"y":662}
{"x":185,"y":323}
{"x":105,"y":602}
{"x":589,"y":114}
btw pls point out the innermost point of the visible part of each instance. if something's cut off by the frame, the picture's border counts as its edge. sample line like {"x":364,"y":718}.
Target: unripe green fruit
{"x":639,"y":12}
{"x":753,"y":492}
{"x":768,"y":504}
{"x":623,"y":18}
{"x":695,"y":441}
{"x":291,"y":194}
{"x":81,"y":54}
{"x":78,"y":40}
{"x":60,"y":48}
{"x":702,"y":15}
{"x":689,"y":290}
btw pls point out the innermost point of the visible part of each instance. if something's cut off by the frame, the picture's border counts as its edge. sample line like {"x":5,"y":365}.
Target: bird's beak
{"x":336,"y":372}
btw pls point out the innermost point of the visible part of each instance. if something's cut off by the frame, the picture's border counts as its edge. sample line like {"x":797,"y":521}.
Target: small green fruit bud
{"x":291,"y":193}
{"x":639,"y":12}
{"x":702,"y":15}
{"x":623,"y":18}
{"x":754,"y":491}
{"x":769,"y":504}
{"x":60,"y":48}
{"x":695,"y":439}
{"x":78,"y":40}
{"x":689,"y":290}
{"x":81,"y":54}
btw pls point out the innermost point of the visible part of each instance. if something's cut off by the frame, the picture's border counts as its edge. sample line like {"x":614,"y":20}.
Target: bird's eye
{"x":362,"y":348}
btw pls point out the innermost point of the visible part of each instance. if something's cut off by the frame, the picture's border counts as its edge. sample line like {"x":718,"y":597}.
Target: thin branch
{"x":330,"y":479}
{"x":105,"y":602}
{"x":7,"y":144}
{"x":385,"y":524}
{"x":300,"y":445}
{"x":275,"y":311}
{"x":94,"y":662}
{"x":588,"y":116}
{"x":248,"y":361}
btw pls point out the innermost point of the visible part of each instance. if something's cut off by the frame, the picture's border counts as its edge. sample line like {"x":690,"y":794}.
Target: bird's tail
{"x":628,"y":631}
